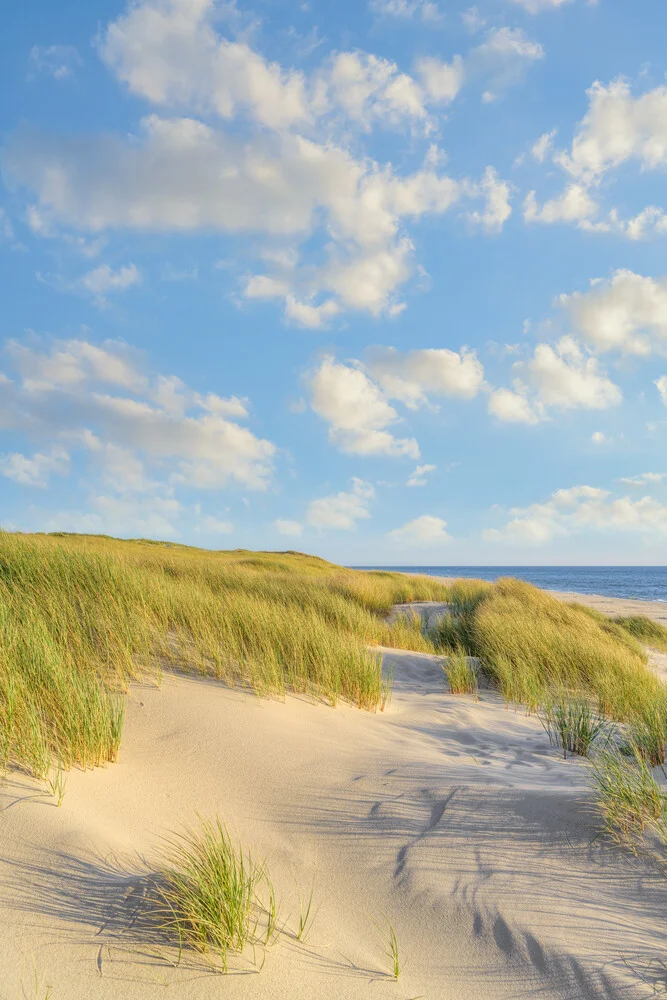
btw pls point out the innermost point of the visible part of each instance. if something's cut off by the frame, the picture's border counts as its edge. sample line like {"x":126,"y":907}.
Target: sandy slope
{"x":456,"y":819}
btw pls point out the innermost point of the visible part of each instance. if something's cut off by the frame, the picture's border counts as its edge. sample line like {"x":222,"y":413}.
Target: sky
{"x":380,"y":280}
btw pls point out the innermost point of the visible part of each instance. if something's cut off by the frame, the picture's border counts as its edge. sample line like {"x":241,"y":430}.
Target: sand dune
{"x":456,"y":819}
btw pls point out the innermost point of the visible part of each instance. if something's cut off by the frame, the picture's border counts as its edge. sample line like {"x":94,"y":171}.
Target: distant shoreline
{"x":626,"y":606}
{"x":625,"y":583}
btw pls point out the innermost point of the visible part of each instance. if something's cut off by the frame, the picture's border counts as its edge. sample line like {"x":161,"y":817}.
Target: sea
{"x":645,"y":583}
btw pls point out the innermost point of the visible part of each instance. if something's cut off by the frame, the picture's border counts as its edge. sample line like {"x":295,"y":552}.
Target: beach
{"x":450,"y":818}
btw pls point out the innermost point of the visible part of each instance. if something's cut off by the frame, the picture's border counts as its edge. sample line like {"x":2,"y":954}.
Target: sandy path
{"x":455,"y":818}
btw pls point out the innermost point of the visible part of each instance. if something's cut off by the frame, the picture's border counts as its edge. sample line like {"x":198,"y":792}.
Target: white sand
{"x":454,"y":818}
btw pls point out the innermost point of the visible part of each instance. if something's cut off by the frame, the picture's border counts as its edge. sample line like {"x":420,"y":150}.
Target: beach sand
{"x":453,"y":818}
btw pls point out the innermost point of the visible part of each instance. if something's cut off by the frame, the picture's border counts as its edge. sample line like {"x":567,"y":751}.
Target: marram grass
{"x":81,"y":616}
{"x":532,"y":645}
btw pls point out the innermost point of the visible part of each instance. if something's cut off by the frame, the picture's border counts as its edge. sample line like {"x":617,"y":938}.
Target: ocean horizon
{"x":644,"y":583}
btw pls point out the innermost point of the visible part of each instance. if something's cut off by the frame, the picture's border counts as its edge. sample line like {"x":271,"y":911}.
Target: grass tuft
{"x":207,"y":890}
{"x":56,"y":785}
{"x":572,"y":724}
{"x":461,"y":674}
{"x":628,"y":796}
{"x":645,"y":630}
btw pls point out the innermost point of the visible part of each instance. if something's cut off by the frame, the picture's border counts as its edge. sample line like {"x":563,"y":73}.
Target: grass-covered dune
{"x":535,"y":647}
{"x":81,"y":616}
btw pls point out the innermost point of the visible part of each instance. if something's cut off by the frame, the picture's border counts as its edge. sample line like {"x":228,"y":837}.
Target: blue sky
{"x":384,"y":281}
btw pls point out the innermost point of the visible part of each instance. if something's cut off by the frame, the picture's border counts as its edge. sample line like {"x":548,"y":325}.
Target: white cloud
{"x":168,"y":52}
{"x":442,"y":81}
{"x":599,"y":438}
{"x":103,"y":280}
{"x":413,"y":376}
{"x":661,"y":384}
{"x":616,"y":128}
{"x":420,"y":10}
{"x":502,"y":60}
{"x":418,"y":477}
{"x":71,"y":363}
{"x":497,"y":209}
{"x":288,"y":170}
{"x":574,"y":205}
{"x":305,"y":314}
{"x":512,"y":407}
{"x":366,"y":88}
{"x":36,"y":470}
{"x":544,"y":145}
{"x":57,"y":61}
{"x":537,"y":6}
{"x":151,"y":517}
{"x":581,"y":509}
{"x":564,"y":377}
{"x":342,"y":510}
{"x":424,"y":530}
{"x":290,"y":528}
{"x":282,"y":186}
{"x":357,"y":411}
{"x":644,"y":479}
{"x":626,"y":313}
{"x":97,"y":399}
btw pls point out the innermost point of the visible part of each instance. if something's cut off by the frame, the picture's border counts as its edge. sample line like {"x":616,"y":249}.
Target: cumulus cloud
{"x":139,"y":433}
{"x":616,"y":128}
{"x":627,"y":313}
{"x":424,"y":530}
{"x":661,"y":385}
{"x":563,"y":377}
{"x":37,"y":469}
{"x":644,"y":479}
{"x":418,"y":477}
{"x":356,"y":398}
{"x":566,"y":378}
{"x":512,"y":407}
{"x":341,"y":511}
{"x":412,"y":377}
{"x":581,"y":508}
{"x":103,"y":280}
{"x":442,"y":81}
{"x":288,"y":172}
{"x":575,"y":204}
{"x":497,"y":209}
{"x":357,"y":411}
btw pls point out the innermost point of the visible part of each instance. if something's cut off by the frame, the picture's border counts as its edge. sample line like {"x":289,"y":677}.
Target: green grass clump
{"x":572,"y":724}
{"x":461,"y":674}
{"x":647,"y":631}
{"x":628,"y":796}
{"x":647,"y":732}
{"x":206,"y":891}
{"x":532,"y":644}
{"x":82,"y":616}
